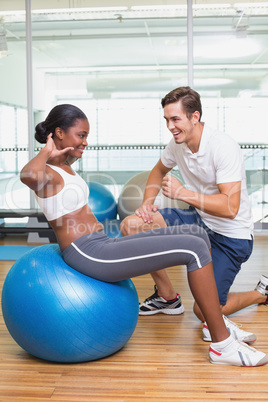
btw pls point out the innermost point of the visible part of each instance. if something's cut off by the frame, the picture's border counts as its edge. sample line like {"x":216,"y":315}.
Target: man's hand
{"x":146,"y":212}
{"x":172,"y":187}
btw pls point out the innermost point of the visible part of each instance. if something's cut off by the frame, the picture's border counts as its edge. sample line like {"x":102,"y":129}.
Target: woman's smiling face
{"x":76,"y":137}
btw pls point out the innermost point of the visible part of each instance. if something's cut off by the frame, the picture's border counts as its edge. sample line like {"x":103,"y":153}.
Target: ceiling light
{"x":12,"y":12}
{"x":171,"y":7}
{"x":77,"y":10}
{"x":212,"y":82}
{"x":249,"y":5}
{"x":227,"y":48}
{"x":204,"y":6}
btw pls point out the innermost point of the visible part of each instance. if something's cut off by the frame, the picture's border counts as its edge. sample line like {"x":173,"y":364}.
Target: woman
{"x":63,"y":197}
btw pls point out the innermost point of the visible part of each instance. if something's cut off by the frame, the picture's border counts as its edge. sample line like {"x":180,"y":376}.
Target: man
{"x":212,"y":168}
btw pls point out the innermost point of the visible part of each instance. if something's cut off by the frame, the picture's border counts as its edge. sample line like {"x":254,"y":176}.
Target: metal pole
{"x":190,"y":43}
{"x":29,"y":86}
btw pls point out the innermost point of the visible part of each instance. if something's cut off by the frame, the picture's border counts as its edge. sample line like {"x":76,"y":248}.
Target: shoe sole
{"x":237,"y":365}
{"x":167,"y":311}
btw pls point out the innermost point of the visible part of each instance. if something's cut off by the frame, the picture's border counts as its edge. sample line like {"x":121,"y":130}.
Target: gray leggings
{"x":111,"y":260}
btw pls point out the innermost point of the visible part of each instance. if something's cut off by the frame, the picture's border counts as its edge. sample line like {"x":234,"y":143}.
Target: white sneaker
{"x":262,"y":285}
{"x":233,"y":329}
{"x":238,"y":354}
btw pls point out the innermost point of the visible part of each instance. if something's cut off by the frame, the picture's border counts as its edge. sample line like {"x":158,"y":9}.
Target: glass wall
{"x":13,"y":104}
{"x":116,"y":62}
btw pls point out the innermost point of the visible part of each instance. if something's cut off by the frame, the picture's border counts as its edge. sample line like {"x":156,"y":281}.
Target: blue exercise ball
{"x":58,"y":314}
{"x":101,"y":201}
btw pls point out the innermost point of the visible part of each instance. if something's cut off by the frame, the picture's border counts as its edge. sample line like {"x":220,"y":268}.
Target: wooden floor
{"x":165,"y":360}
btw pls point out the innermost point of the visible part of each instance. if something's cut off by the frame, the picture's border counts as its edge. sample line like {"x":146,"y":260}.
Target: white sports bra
{"x":73,"y":196}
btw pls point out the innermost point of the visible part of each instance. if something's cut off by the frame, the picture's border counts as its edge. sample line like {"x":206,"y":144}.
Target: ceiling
{"x":131,"y":50}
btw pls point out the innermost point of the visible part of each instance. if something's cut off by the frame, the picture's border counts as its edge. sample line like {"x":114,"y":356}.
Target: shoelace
{"x":155,"y":295}
{"x":232,"y":324}
{"x":242,"y":346}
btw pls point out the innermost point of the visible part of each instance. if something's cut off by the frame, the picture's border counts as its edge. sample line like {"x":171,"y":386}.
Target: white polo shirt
{"x":218,"y":160}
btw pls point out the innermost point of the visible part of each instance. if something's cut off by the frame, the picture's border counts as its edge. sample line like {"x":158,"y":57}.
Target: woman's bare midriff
{"x":70,"y":227}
